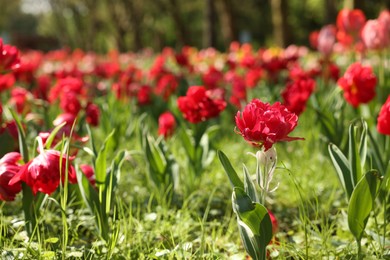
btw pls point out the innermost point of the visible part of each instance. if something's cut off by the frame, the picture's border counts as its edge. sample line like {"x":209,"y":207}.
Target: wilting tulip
{"x":9,"y":167}
{"x":44,"y":172}
{"x":262,"y":124}
{"x":359,"y":84}
{"x":383,"y":125}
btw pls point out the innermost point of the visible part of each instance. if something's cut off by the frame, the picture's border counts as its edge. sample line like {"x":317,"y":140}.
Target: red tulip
{"x":9,"y":167}
{"x":89,"y":173}
{"x":296,"y":94}
{"x":166,"y":85}
{"x":166,"y":124}
{"x":144,"y":95}
{"x":350,"y":21}
{"x":43,"y":173}
{"x":327,"y":39}
{"x":383,"y":125}
{"x":19,"y":97}
{"x":200,"y":104}
{"x":6,"y":81}
{"x":375,"y":35}
{"x":358,"y":84}
{"x":262,"y":124}
{"x":93,"y":114}
{"x":9,"y":57}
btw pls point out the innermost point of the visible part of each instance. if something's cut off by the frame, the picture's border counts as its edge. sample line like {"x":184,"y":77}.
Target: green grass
{"x":309,"y":205}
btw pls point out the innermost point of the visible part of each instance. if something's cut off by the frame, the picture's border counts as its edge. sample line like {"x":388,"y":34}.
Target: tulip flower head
{"x":44,"y":172}
{"x":262,"y":124}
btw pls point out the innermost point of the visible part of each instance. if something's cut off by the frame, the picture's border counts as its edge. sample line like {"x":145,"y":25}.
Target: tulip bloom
{"x":375,"y":35}
{"x":166,"y":124}
{"x":358,"y":84}
{"x":43,"y":173}
{"x":92,"y":112}
{"x":9,"y":167}
{"x":326,"y":40}
{"x":200,"y":104}
{"x":262,"y":124}
{"x":296,"y":94}
{"x":9,"y":57}
{"x":383,"y":125}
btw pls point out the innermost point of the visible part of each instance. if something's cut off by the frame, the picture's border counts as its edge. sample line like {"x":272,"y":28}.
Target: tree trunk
{"x":209,"y":37}
{"x":280,"y":24}
{"x":227,"y":20}
{"x":331,"y":11}
{"x":181,"y":31}
{"x":135,"y":23}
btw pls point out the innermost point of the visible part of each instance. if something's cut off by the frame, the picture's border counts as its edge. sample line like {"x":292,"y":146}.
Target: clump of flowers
{"x":358,"y":84}
{"x":200,"y":104}
{"x":296,"y":94}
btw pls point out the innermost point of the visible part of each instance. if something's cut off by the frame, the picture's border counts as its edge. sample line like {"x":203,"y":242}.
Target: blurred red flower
{"x":383,"y":125}
{"x":6,"y":81}
{"x":166,"y":85}
{"x":327,"y":39}
{"x":350,"y":21}
{"x":9,"y":57}
{"x":358,"y":84}
{"x":212,"y":78}
{"x":296,"y":94}
{"x":69,"y":103}
{"x":200,"y":104}
{"x":166,"y":124}
{"x":262,"y":124}
{"x":19,"y":98}
{"x":144,"y":95}
{"x":92,"y":112}
{"x":89,"y":173}
{"x":43,"y":173}
{"x":9,"y":166}
{"x":375,"y":35}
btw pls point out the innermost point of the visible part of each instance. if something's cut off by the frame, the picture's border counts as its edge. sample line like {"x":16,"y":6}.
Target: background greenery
{"x":130,"y":25}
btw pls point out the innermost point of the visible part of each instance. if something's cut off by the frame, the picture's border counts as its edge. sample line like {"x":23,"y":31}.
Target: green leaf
{"x":87,"y":191}
{"x":187,"y":143}
{"x":231,"y":173}
{"x":21,"y":137}
{"x":113,"y":178}
{"x":250,"y":188}
{"x":341,"y":164}
{"x":52,"y":135}
{"x":154,"y":155}
{"x":363,"y":144}
{"x":354,"y":158}
{"x":101,"y":161}
{"x":254,"y":223}
{"x":362,"y":202}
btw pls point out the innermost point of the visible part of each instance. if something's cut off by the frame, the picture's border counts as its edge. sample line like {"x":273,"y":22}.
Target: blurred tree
{"x":281,"y":29}
{"x":228,"y":21}
{"x":210,"y":35}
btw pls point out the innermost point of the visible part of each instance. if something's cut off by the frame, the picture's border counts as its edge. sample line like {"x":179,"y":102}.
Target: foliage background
{"x":130,"y":25}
